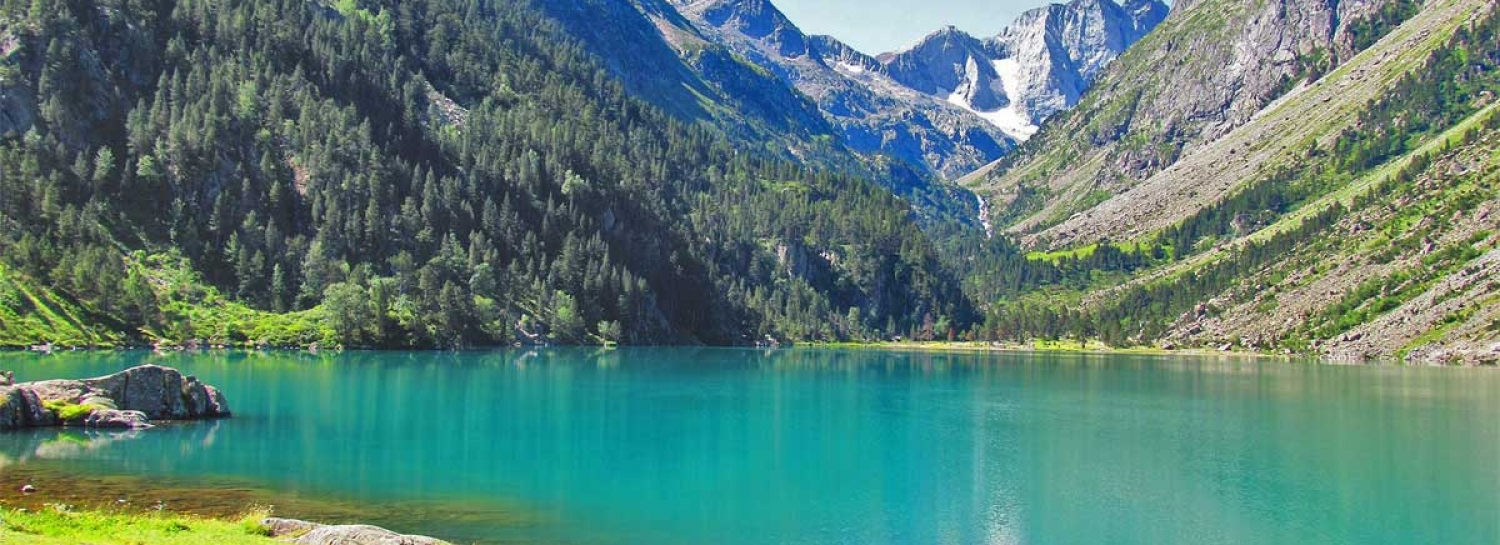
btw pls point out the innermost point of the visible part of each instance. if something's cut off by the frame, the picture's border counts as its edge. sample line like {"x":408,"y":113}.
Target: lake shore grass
{"x":63,"y":525}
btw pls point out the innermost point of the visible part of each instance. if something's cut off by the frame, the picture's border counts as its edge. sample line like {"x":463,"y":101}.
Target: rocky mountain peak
{"x":940,"y":62}
{"x":757,"y":19}
{"x":951,"y":102}
{"x":1039,"y":65}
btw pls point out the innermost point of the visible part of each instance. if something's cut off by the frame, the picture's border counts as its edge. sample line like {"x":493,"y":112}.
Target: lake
{"x":809,"y":446}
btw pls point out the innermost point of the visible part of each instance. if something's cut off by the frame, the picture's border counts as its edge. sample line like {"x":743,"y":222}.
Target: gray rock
{"x":99,"y":401}
{"x":161,"y":393}
{"x":216,"y":404}
{"x":307,"y":533}
{"x":10,"y":408}
{"x":279,"y":527}
{"x":20,"y":407}
{"x":111,"y":418}
{"x":153,"y":392}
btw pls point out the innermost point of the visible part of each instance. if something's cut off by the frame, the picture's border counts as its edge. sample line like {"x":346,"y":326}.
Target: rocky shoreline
{"x":130,"y":399}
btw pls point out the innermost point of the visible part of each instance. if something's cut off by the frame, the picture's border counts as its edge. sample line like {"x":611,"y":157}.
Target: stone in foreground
{"x":309,"y":533}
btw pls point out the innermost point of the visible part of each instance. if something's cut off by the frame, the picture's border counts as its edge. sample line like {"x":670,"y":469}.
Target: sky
{"x":878,"y":26}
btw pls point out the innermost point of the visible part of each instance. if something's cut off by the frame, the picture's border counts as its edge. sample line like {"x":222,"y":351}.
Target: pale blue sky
{"x":877,"y":26}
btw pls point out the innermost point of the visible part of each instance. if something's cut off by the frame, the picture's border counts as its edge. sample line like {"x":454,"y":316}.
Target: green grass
{"x":1058,"y":255}
{"x":187,"y":309}
{"x":68,"y":411}
{"x":33,"y":314}
{"x":192,"y":310}
{"x":60,"y":525}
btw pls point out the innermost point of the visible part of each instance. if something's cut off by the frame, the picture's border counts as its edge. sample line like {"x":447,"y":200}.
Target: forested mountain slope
{"x":415,"y":173}
{"x":670,"y":61}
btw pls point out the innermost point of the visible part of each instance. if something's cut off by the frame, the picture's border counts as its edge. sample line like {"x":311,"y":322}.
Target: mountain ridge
{"x":948,"y":112}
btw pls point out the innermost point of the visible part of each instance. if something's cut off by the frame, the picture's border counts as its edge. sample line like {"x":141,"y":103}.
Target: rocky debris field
{"x":1414,"y":275}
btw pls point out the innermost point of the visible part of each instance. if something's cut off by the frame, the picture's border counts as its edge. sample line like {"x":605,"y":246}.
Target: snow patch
{"x":849,"y":68}
{"x":1011,"y":120}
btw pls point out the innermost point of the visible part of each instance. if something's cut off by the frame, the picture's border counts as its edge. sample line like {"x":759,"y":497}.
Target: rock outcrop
{"x":128,"y":399}
{"x":309,"y":533}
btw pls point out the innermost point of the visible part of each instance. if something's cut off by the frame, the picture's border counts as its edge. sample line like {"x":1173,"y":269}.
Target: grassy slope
{"x":1337,"y":262}
{"x":62,"y":526}
{"x":32,"y":314}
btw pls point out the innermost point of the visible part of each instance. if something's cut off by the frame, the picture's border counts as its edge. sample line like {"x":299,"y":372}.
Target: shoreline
{"x":233,"y":504}
{"x":1056,"y":347}
{"x":1038,"y":347}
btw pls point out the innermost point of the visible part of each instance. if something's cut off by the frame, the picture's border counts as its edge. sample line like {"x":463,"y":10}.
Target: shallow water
{"x":700,"y":446}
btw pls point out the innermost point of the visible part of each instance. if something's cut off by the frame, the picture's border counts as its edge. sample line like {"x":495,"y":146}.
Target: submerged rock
{"x":128,"y":399}
{"x":309,"y":533}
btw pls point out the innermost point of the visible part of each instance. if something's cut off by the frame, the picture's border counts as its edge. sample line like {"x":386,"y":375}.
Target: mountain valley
{"x":1305,"y":176}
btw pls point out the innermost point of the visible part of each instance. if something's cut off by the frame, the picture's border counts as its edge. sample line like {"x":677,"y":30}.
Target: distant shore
{"x":1065,"y":347}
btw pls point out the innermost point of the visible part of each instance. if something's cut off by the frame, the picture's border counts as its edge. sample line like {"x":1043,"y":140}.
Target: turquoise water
{"x":705,"y":446}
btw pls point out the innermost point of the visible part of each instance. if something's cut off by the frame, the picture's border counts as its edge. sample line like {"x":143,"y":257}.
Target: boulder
{"x":161,"y":393}
{"x":127,"y":399}
{"x":308,"y":533}
{"x":152,"y":389}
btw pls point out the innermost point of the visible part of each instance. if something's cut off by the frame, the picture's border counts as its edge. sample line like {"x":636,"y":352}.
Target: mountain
{"x":951,"y":103}
{"x":661,"y":57}
{"x":1307,"y":176}
{"x":1039,"y":65}
{"x":665,"y":59}
{"x":431,"y":173}
{"x":872,"y":118}
{"x":1209,"y":69}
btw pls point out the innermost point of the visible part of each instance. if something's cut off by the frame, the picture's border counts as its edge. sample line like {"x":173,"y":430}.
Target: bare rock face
{"x":128,"y":399}
{"x":22,"y":408}
{"x":308,"y":533}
